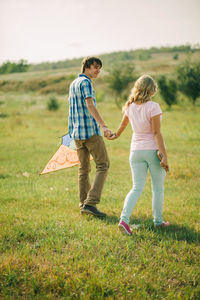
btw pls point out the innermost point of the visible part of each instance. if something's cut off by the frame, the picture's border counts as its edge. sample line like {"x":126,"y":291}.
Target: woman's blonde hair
{"x":144,"y":88}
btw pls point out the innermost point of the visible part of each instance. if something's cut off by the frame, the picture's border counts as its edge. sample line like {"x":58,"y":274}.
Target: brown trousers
{"x":95,"y":146}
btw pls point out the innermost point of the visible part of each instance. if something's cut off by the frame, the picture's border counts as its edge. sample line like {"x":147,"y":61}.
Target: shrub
{"x":118,"y":81}
{"x":189,"y":80}
{"x":53,"y":104}
{"x":168,"y":90}
{"x":175,"y":57}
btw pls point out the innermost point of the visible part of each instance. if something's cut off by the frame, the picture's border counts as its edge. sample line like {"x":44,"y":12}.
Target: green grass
{"x":49,"y":251}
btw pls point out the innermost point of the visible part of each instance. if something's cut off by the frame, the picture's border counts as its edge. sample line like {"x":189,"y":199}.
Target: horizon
{"x":195,"y":46}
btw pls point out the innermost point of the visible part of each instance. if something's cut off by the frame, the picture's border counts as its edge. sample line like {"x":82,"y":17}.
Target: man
{"x":84,"y":123}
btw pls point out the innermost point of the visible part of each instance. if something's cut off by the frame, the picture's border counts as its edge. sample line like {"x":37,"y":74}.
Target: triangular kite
{"x":65,"y":156}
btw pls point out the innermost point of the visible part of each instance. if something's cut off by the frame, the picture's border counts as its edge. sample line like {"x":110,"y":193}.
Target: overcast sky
{"x":52,"y":30}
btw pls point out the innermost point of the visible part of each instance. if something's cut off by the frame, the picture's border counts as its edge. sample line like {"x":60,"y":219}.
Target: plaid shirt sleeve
{"x":86,"y":89}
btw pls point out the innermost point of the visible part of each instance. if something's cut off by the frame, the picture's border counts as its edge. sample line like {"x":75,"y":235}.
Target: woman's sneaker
{"x":124,"y":228}
{"x":164,"y":224}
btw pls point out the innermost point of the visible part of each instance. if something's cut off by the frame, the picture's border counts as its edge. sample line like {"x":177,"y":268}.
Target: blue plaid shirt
{"x":81,"y":123}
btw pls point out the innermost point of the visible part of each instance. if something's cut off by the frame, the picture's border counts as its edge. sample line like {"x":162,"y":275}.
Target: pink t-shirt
{"x":140,"y":118}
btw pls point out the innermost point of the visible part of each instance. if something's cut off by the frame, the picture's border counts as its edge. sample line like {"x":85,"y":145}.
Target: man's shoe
{"x":164,"y":224}
{"x":124,"y":228}
{"x":81,"y":205}
{"x":92,"y":210}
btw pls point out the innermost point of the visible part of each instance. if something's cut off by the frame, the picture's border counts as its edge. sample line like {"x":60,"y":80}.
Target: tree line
{"x":108,"y":59}
{"x":187,"y":82}
{"x":14,"y":67}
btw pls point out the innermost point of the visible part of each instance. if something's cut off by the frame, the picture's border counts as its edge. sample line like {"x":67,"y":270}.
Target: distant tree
{"x":168,"y":90}
{"x":118,"y":81}
{"x":12,"y":67}
{"x":175,"y":57}
{"x":189,"y":80}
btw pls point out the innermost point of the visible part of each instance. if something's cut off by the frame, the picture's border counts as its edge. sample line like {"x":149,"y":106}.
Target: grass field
{"x":49,"y":251}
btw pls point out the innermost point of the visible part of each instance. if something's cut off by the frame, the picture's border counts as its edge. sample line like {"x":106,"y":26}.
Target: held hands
{"x":107,"y":132}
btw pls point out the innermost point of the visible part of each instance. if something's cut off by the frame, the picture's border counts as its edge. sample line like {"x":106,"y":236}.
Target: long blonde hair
{"x":144,"y":88}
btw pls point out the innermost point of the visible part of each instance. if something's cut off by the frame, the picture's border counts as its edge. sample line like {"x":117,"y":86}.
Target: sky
{"x":53,"y":30}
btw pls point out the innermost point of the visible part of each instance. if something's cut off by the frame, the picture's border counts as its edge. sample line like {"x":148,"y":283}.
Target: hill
{"x":55,"y":77}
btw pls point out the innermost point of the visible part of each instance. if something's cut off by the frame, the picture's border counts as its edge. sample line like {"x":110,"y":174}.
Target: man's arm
{"x":94,"y":112}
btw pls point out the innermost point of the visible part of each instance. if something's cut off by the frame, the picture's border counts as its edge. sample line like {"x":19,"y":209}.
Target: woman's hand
{"x":112,"y":137}
{"x":164,"y":164}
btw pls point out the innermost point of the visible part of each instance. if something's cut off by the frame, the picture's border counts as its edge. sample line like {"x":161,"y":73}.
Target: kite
{"x":65,"y":156}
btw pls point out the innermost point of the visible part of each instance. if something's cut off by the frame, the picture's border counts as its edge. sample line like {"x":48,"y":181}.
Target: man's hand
{"x":107,"y":132}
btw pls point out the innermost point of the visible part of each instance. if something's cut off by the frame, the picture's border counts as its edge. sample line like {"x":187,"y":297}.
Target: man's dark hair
{"x":88,"y":61}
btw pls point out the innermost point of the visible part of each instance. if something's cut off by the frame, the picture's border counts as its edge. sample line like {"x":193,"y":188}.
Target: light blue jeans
{"x":140,"y":162}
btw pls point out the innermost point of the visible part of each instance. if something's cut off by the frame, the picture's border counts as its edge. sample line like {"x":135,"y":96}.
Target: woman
{"x":144,"y":116}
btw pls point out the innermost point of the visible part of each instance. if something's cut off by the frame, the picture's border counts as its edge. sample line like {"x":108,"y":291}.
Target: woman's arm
{"x":160,"y":141}
{"x":123,"y":125}
{"x":121,"y":128}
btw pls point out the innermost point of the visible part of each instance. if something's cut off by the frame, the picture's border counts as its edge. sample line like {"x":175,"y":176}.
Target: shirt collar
{"x":83,"y":75}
